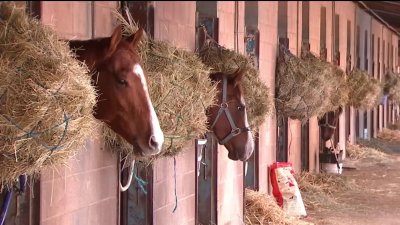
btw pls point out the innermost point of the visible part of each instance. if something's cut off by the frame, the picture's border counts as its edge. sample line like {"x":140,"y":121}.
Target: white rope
{"x":124,"y":188}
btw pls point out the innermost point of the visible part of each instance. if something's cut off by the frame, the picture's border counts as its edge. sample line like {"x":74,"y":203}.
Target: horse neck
{"x":90,"y":51}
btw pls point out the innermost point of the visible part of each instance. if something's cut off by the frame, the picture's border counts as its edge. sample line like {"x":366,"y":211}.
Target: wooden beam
{"x":384,"y":7}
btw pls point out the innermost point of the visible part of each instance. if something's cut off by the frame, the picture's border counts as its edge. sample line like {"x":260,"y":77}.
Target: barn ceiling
{"x":389,"y":11}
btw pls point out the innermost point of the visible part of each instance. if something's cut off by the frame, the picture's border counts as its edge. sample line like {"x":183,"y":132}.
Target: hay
{"x":389,"y":135}
{"x":180,"y":89}
{"x":366,"y":150}
{"x":46,"y":97}
{"x":365,"y":91}
{"x":307,"y":87}
{"x":339,"y":90}
{"x":262,"y":209}
{"x":392,"y":86}
{"x":256,"y":94}
{"x":318,"y":190}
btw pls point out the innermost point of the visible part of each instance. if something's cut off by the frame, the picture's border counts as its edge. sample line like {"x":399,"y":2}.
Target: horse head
{"x":124,"y":102}
{"x":228,"y":118}
{"x":328,"y":123}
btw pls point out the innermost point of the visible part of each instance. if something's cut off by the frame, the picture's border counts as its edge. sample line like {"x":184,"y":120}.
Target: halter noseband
{"x":224,"y":109}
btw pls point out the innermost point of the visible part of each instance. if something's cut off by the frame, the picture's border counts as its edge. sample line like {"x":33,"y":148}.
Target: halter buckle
{"x":224,"y":105}
{"x":235,"y":132}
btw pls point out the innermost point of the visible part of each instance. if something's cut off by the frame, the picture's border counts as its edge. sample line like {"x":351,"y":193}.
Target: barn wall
{"x":386,"y":33}
{"x":346,"y":11}
{"x":377,"y":32}
{"x":230,"y":179}
{"x":174,"y":22}
{"x":294,"y":126}
{"x":364,"y":22}
{"x":394,"y":109}
{"x":268,"y":27}
{"x":86,"y":190}
{"x":314,"y":26}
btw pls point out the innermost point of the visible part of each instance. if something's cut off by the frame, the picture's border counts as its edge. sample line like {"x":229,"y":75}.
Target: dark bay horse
{"x":228,"y":119}
{"x":328,"y":123}
{"x":124,"y":102}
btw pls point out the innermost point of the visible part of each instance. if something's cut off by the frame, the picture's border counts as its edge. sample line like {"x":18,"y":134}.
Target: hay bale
{"x":392,"y":86}
{"x":180,"y":90}
{"x":365,"y":91}
{"x":257,"y":95}
{"x":262,"y":209}
{"x":318,"y":189}
{"x":306,"y":87}
{"x":46,"y":97}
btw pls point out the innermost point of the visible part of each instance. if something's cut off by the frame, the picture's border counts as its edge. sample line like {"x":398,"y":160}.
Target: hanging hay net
{"x":262,"y":209}
{"x":339,"y":90}
{"x":46,"y":97}
{"x":180,"y":90}
{"x":256,"y":94}
{"x":308,"y":86}
{"x":392,"y":86}
{"x":365,"y":92}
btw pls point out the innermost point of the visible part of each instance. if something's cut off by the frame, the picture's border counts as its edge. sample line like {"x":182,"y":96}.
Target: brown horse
{"x":328,"y":123}
{"x":228,"y":118}
{"x":124,"y":102}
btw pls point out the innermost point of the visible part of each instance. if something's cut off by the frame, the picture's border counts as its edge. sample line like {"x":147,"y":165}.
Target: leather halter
{"x":224,"y":109}
{"x":326,"y":124}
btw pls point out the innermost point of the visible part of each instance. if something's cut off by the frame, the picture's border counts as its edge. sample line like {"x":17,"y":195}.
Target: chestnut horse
{"x":228,"y":118}
{"x":124,"y":101}
{"x":328,"y":123}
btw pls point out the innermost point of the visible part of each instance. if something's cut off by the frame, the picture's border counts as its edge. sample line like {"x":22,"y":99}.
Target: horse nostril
{"x":153,"y":142}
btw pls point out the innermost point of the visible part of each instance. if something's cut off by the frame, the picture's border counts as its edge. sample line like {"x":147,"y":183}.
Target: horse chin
{"x":232,"y":156}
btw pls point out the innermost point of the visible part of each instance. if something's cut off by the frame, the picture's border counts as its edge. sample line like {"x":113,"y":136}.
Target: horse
{"x":228,"y":118}
{"x":328,"y":123}
{"x":124,"y":102}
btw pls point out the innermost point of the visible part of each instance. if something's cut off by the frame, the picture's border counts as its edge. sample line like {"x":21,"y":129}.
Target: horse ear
{"x":340,"y":110}
{"x":134,"y":39}
{"x":238,"y":76}
{"x":115,"y":39}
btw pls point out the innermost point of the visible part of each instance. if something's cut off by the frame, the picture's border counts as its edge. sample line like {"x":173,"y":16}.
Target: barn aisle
{"x":376,"y":198}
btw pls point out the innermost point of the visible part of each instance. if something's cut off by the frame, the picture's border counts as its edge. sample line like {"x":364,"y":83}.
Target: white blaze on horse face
{"x":250,"y":142}
{"x":155,"y":124}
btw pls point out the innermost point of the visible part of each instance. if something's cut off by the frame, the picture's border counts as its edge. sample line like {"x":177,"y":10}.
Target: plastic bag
{"x":286,"y":190}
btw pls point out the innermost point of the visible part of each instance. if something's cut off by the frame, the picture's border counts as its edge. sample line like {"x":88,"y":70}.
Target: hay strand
{"x":46,"y":97}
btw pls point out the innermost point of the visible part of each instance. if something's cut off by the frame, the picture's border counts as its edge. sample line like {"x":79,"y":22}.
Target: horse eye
{"x":122,"y":82}
{"x":241,"y":108}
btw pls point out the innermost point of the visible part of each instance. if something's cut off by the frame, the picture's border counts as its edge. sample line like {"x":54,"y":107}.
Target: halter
{"x":224,"y":109}
{"x":326,"y":124}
